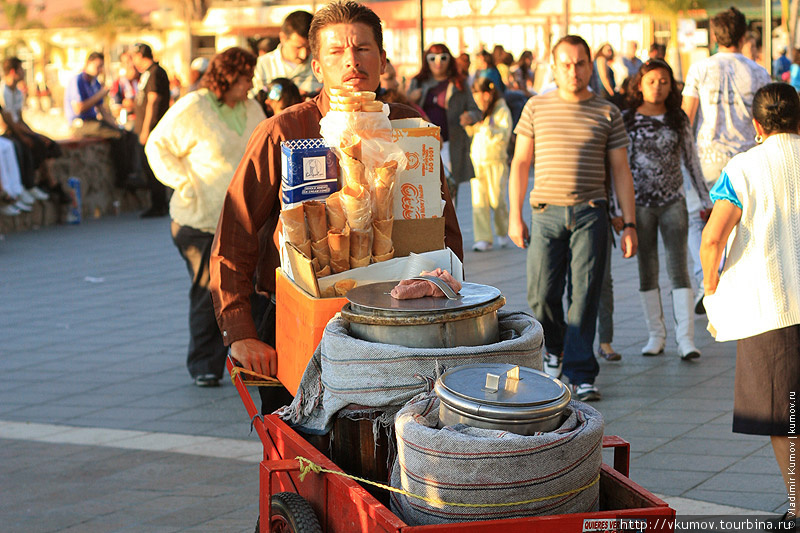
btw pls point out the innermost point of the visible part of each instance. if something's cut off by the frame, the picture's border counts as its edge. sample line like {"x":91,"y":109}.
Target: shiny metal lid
{"x":374,"y":298}
{"x":502,"y":392}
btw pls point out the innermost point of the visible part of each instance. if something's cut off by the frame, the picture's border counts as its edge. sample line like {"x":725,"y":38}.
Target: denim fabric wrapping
{"x":462,"y":464}
{"x":345,"y":370}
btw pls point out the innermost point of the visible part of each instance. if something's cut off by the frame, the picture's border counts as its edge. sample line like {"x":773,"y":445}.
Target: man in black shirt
{"x":152,"y":101}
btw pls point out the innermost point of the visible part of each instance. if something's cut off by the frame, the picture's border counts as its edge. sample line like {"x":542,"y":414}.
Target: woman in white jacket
{"x":195,"y":149}
{"x":490,"y":137}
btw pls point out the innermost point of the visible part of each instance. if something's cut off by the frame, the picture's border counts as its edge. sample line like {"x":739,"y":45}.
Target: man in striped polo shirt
{"x":571,"y":136}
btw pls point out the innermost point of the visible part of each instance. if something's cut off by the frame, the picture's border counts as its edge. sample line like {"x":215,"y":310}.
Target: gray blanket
{"x":346,"y":371}
{"x":481,"y":467}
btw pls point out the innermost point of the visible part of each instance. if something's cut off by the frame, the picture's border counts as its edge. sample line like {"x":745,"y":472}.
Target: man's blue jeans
{"x":575,"y":238}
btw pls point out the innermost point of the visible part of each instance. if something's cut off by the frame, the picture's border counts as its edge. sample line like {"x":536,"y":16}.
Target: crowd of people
{"x":618,"y":148}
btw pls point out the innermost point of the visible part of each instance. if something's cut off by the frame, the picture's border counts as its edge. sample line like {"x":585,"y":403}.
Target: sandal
{"x":608,"y":356}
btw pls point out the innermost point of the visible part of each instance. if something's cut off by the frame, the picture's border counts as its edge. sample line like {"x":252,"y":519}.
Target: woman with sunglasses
{"x":195,"y":148}
{"x":662,"y":145}
{"x":442,"y":93}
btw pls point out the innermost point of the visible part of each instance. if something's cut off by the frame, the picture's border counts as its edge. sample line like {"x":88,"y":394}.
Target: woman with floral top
{"x":662,"y":148}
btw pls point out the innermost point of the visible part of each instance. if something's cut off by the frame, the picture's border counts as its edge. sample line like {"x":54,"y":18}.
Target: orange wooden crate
{"x":300,"y":320}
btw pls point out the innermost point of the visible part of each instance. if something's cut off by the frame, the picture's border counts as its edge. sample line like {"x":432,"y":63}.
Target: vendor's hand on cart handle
{"x":256,"y":356}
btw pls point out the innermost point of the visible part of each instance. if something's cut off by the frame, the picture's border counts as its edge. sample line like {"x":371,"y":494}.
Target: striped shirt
{"x":572,"y":140}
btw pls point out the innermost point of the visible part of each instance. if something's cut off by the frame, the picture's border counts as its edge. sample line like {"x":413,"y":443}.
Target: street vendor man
{"x":346,"y":42}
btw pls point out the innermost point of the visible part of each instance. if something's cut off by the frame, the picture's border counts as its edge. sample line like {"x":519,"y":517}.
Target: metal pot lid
{"x":375,"y":297}
{"x":502,"y":392}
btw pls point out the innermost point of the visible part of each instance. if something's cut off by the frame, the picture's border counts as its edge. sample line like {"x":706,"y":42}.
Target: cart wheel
{"x":291,"y":513}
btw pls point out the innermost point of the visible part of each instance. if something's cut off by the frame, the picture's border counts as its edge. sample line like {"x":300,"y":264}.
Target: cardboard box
{"x":418,"y":187}
{"x":300,"y":318}
{"x":418,"y":236}
{"x":309,"y":171}
{"x":418,"y":222}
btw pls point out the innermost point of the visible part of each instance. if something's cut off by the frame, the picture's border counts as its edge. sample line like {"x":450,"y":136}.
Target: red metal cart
{"x":336,"y":504}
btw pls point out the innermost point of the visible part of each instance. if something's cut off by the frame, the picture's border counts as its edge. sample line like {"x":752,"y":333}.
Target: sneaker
{"x":482,"y":246}
{"x":586,"y":392}
{"x":206,"y":380}
{"x":552,"y":364}
{"x":9,"y":210}
{"x":26,"y":198}
{"x":504,"y":241}
{"x":38,"y":194}
{"x":22,"y":206}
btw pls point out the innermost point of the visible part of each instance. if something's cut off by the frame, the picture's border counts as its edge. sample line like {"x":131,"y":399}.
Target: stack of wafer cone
{"x":339,"y":244}
{"x":383,"y":191}
{"x":357,"y":207}
{"x":336,"y":217}
{"x":316,"y":220}
{"x":360,"y":247}
{"x":353,"y":172}
{"x":295,"y":230}
{"x":349,"y":101}
{"x":382,"y":206}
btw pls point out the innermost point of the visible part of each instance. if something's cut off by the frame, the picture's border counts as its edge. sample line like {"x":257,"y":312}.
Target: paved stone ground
{"x":101,"y":428}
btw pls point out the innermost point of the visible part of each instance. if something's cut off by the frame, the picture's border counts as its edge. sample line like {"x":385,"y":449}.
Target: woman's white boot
{"x":683,"y":309}
{"x":653,"y":315}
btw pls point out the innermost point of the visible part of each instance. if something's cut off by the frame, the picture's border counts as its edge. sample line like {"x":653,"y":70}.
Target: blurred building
{"x":53,"y":37}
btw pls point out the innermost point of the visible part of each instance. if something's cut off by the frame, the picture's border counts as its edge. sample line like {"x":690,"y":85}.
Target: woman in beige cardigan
{"x":195,"y":149}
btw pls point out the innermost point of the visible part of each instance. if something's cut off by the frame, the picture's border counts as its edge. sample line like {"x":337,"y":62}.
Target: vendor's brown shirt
{"x":246,"y":243}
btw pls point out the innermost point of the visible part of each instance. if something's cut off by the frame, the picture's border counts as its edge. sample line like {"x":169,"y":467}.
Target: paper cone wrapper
{"x":316,"y":220}
{"x":339,"y":244}
{"x":294,"y":225}
{"x":353,"y":149}
{"x":343,"y":286}
{"x":360,"y":248}
{"x":382,"y":237}
{"x":357,"y":207}
{"x":383,"y":187}
{"x":335,"y":211}
{"x":381,"y":258}
{"x":353,"y":172}
{"x":328,"y":292}
{"x":324,"y":272}
{"x":305,"y":248}
{"x":321,"y":252}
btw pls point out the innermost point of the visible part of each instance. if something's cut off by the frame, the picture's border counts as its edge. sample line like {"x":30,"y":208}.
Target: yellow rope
{"x":307,"y":466}
{"x":262,"y":381}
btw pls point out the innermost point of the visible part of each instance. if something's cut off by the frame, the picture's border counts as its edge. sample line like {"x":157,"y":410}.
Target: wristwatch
{"x":629,"y":225}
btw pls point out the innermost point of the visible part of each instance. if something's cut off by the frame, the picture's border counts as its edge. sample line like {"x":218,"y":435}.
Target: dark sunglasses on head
{"x":441,"y":57}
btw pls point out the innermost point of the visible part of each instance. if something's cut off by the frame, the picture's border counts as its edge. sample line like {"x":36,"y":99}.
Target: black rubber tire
{"x":291,"y":513}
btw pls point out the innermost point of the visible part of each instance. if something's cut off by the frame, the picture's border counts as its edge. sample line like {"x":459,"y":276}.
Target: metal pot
{"x":468,"y":320}
{"x":502,"y":397}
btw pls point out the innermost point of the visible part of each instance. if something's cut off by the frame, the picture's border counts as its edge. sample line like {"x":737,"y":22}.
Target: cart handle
{"x":252,"y":411}
{"x":622,"y":453}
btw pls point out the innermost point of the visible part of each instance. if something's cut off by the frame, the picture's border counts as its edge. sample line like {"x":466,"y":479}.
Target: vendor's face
{"x":349,"y":56}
